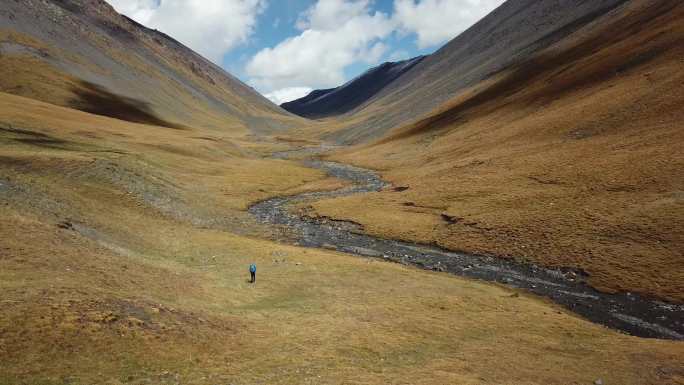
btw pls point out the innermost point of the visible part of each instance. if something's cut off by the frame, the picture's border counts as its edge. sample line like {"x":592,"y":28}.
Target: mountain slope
{"x":347,"y":97}
{"x":571,"y":158}
{"x":83,"y":54}
{"x":508,"y":35}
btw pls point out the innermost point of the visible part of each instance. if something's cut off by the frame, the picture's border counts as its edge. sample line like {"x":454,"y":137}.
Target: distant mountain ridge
{"x":84,"y":55}
{"x":351,"y":95}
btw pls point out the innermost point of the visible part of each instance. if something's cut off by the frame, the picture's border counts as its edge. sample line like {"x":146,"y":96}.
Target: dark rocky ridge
{"x":351,"y":95}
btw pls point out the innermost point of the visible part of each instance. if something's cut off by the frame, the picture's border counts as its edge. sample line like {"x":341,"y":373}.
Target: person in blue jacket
{"x":252,"y":272}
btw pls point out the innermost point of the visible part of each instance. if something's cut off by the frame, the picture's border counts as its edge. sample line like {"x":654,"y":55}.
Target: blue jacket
{"x":252,"y":268}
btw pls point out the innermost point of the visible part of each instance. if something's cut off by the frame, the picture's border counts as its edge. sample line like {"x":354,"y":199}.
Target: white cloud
{"x":437,"y":21}
{"x":210,"y":27}
{"x":335,"y":34}
{"x":138,"y":10}
{"x":399,"y":55}
{"x":373,"y":54}
{"x":330,"y":15}
{"x":287,"y":94}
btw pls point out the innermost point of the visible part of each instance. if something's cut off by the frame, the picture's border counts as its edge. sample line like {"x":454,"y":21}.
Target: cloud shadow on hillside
{"x":97,"y":100}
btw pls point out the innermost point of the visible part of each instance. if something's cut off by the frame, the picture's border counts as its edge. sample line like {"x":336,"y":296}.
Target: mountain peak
{"x":354,"y":93}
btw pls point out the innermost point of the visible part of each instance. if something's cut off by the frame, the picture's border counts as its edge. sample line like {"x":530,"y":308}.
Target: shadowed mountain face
{"x":345,"y":98}
{"x":83,"y":54}
{"x":509,"y":35}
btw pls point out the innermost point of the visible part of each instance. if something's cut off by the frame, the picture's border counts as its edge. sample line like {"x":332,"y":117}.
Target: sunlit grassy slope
{"x":120,"y":263}
{"x":84,"y":55}
{"x":572,"y":158}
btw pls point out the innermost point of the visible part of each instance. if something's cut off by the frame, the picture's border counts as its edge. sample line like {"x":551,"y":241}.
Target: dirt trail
{"x":626,"y":312}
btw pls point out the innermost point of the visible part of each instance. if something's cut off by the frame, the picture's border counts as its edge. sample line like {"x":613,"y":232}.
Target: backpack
{"x":252,"y":268}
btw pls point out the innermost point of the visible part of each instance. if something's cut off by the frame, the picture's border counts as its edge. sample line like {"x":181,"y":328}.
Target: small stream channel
{"x":626,"y":312}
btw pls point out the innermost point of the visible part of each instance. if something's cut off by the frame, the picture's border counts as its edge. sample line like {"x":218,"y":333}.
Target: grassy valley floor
{"x":123,"y":259}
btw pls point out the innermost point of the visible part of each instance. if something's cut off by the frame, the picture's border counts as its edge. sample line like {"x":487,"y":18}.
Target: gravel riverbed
{"x":626,"y":312}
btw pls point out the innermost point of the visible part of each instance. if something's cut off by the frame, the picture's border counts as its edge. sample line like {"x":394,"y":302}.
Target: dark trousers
{"x":253,"y":273}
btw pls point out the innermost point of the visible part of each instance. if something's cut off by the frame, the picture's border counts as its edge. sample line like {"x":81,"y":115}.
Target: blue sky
{"x":286,"y":48}
{"x":278,"y":22}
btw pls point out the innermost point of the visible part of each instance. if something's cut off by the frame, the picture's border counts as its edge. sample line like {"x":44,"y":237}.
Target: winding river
{"x":627,"y":312}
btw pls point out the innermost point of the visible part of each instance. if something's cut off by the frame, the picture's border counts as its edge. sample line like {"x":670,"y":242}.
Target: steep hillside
{"x":340,"y":100}
{"x":82,"y":54}
{"x":507,"y":36}
{"x":572,"y":157}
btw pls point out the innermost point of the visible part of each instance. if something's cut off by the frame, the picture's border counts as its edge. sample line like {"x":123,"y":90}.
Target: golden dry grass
{"x":174,"y":89}
{"x":127,"y":293}
{"x":209,"y":162}
{"x":571,"y":159}
{"x":82,"y":313}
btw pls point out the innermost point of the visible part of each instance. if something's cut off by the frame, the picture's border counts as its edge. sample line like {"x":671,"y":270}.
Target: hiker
{"x":252,"y":272}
